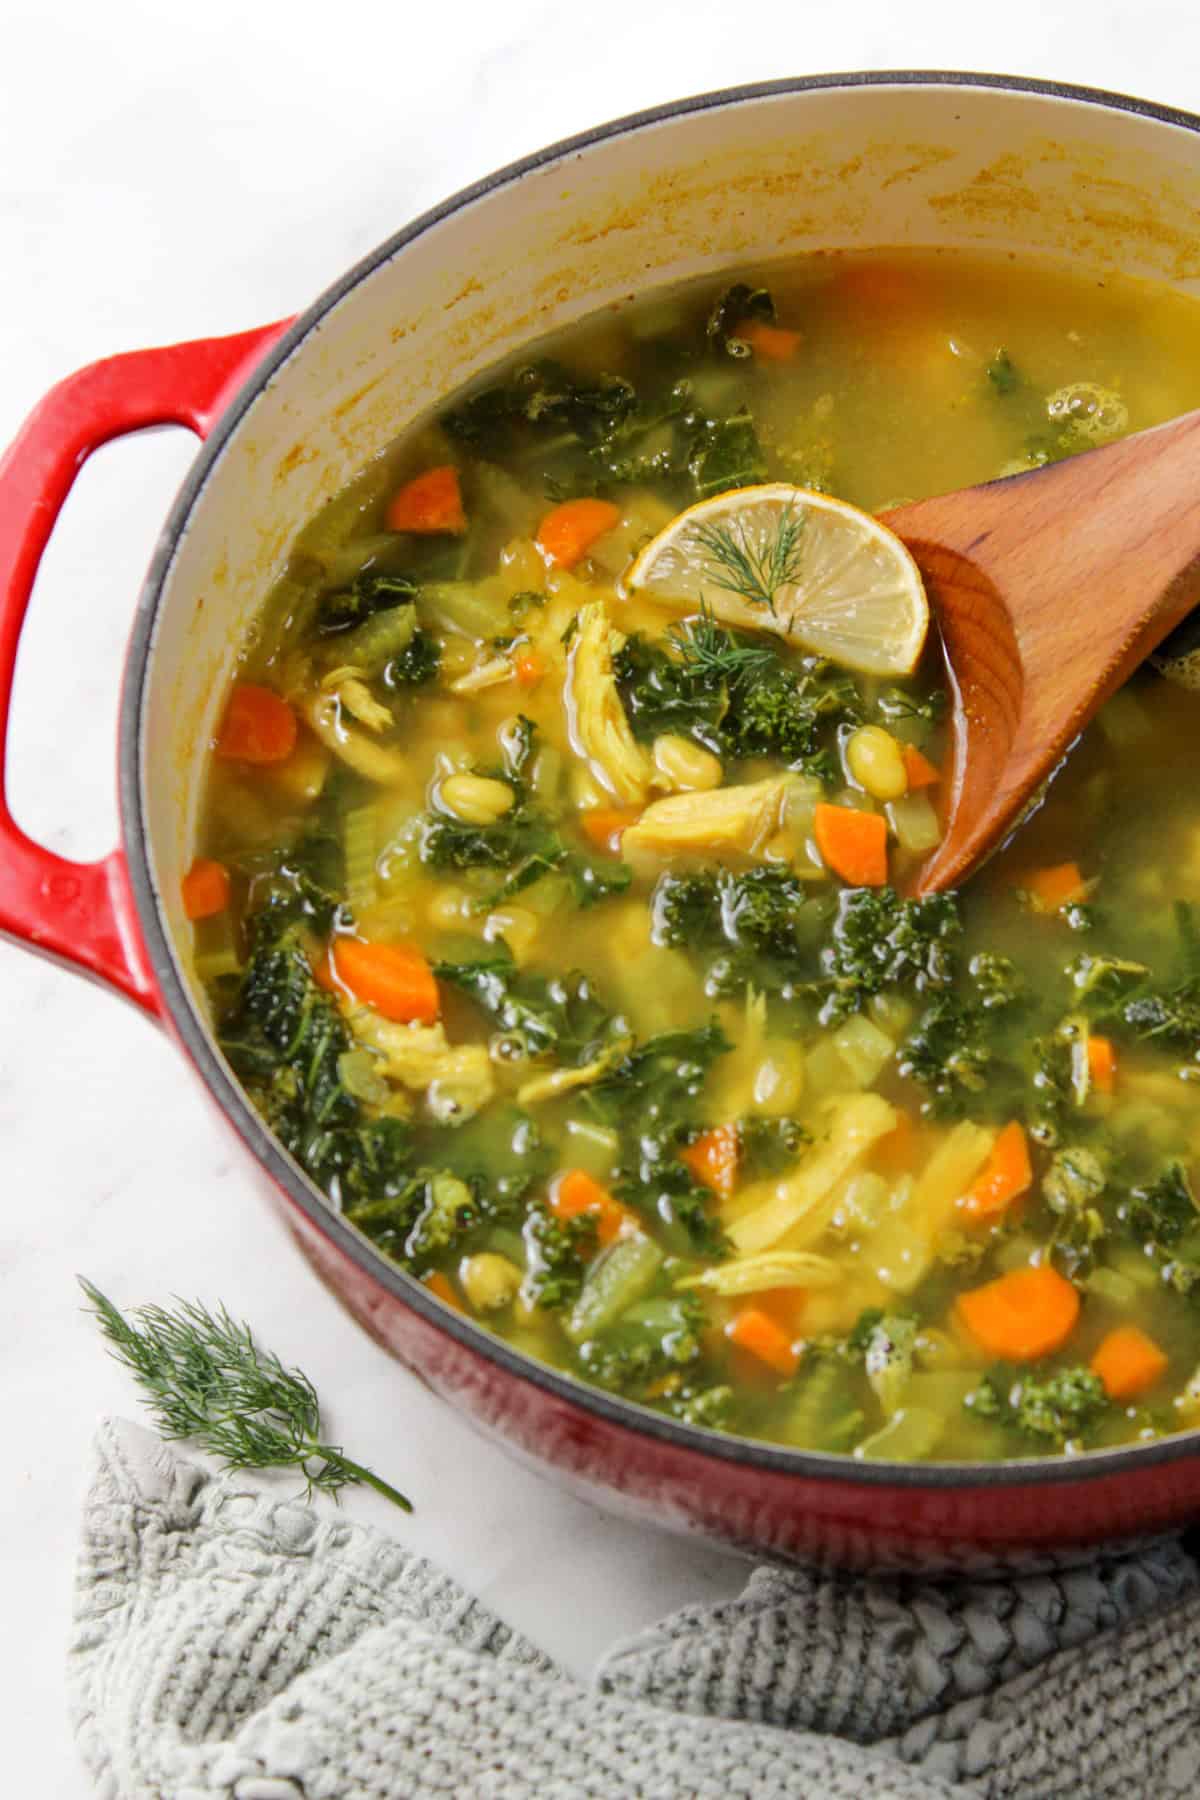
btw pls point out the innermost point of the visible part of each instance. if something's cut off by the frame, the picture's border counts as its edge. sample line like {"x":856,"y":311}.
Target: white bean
{"x":876,"y":762}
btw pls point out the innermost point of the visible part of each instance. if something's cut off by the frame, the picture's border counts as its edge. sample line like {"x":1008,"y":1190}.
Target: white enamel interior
{"x":728,"y":183}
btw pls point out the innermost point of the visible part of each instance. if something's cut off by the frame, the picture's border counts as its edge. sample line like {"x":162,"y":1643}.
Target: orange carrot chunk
{"x":604,"y":825}
{"x":853,"y":844}
{"x":1005,"y":1176}
{"x":896,"y":1151}
{"x":568,"y":531}
{"x":205,"y":889}
{"x":1102,"y":1064}
{"x":393,"y":978}
{"x":755,"y":1331}
{"x":1128,"y":1362}
{"x":258,"y":726}
{"x":577,"y":1192}
{"x":920,"y":771}
{"x":529,"y":668}
{"x":1021,"y":1316}
{"x":1056,"y":886}
{"x":785,"y":1305}
{"x":713,"y":1159}
{"x":774,"y":343}
{"x":430,"y":503}
{"x":439,"y":1284}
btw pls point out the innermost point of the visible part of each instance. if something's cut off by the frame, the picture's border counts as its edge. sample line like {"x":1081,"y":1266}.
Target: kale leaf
{"x":738,"y":305}
{"x":947,"y":1052}
{"x":540,"y":1015}
{"x":880,"y":941}
{"x":372,"y":591}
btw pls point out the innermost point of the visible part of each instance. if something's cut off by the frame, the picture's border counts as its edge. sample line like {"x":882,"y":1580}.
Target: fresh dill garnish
{"x":205,"y":1378}
{"x":756,"y":573}
{"x":708,"y":649}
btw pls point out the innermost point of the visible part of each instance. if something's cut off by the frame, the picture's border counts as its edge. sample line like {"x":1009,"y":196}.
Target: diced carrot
{"x":258,"y":726}
{"x":568,"y":531}
{"x":577,"y":1192}
{"x":713,"y":1158}
{"x":604,"y":825}
{"x":1056,"y":886}
{"x":896,"y":1152}
{"x":853,"y":844}
{"x":529,"y":668}
{"x":752,"y":1329}
{"x":1005,"y":1176}
{"x":920,"y":771}
{"x":772,"y":342}
{"x":785,"y":1305}
{"x":885,"y":293}
{"x":1128,"y":1362}
{"x":439,"y":1284}
{"x":205,"y":889}
{"x":1023,"y":1315}
{"x":1102,"y":1063}
{"x":395,"y":979}
{"x":321,"y":963}
{"x":428,"y":504}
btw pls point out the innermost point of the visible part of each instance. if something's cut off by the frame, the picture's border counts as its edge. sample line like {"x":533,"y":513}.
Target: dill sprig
{"x":205,"y":1378}
{"x":755,"y":572}
{"x":709,"y":650}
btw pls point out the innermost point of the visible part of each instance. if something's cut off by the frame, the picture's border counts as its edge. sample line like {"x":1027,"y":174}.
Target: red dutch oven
{"x":288,"y":413}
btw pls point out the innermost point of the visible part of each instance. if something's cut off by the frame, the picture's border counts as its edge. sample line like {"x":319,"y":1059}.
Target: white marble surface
{"x":176,"y":172}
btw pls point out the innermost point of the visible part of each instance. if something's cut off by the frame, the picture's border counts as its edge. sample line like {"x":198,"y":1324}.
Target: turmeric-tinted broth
{"x":759,"y":1146}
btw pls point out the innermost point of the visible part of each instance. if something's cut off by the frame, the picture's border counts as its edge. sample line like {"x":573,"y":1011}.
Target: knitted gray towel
{"x":230,"y":1646}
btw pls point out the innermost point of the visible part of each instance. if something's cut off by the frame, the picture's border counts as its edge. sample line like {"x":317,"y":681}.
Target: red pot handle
{"x":83,"y":913}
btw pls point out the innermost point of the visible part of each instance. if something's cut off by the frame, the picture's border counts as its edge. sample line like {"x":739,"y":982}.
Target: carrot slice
{"x":529,"y":668}
{"x":713,"y":1158}
{"x":393,"y":978}
{"x":604,"y":825}
{"x":774,"y":343}
{"x":785,"y":1305}
{"x":569,"y":530}
{"x":1128,"y":1362}
{"x":1056,"y":886}
{"x":205,"y":889}
{"x":1102,"y":1063}
{"x":577,"y":1192}
{"x":1023,"y":1315}
{"x":258,"y":726}
{"x":896,"y":1152}
{"x":755,"y":1331}
{"x":439,"y":1284}
{"x":430,"y":503}
{"x":920,"y":771}
{"x":1005,"y":1176}
{"x":853,"y":844}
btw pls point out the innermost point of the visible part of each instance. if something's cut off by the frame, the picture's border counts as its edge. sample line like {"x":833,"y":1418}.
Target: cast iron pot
{"x":288,"y":413}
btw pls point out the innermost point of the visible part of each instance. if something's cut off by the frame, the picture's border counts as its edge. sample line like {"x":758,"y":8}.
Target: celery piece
{"x":914,"y":822}
{"x":594,"y":1148}
{"x":212,"y":965}
{"x":864,"y":1049}
{"x":1113,"y":1286}
{"x":622,"y":1276}
{"x":474,"y":609}
{"x":369,"y":646}
{"x":908,"y":1436}
{"x":360,"y":849}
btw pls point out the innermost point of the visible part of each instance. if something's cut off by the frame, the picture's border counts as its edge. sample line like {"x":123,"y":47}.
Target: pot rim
{"x":196,"y":1037}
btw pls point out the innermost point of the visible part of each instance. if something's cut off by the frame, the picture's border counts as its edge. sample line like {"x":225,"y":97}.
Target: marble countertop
{"x":182,"y":173}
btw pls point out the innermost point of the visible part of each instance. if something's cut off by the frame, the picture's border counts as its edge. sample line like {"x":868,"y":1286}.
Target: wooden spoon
{"x":1049,"y":588}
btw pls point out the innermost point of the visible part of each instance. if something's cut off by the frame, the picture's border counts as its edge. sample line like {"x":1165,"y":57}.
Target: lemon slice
{"x":811,"y":569}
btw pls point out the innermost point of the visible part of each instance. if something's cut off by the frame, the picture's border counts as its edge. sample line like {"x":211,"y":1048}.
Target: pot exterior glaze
{"x":724,"y":181}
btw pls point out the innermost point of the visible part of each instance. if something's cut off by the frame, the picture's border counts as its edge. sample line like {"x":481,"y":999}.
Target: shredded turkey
{"x":596,"y":719}
{"x":730,"y":818}
{"x":456,"y":1080}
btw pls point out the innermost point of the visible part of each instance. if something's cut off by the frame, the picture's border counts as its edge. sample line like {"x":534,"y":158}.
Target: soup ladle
{"x":1048,"y":589}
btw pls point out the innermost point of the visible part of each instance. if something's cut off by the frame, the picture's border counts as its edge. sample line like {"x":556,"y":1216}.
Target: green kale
{"x":523,"y":843}
{"x":1162,"y":1212}
{"x":694,"y":1403}
{"x":997,"y":981}
{"x":947,"y":1053}
{"x":540,"y":400}
{"x":1102,"y":982}
{"x":538,"y":1015}
{"x":782,"y":714}
{"x":369,"y":593}
{"x":662,"y":692}
{"x":416,"y":664}
{"x":762,"y":919}
{"x":297,"y":885}
{"x":1171,"y":1017}
{"x":650,"y":1342}
{"x":738,"y":305}
{"x":887,"y":1352}
{"x":880,"y":941}
{"x":769,"y":1146}
{"x":558,"y":1252}
{"x":1071,"y":1187}
{"x":725,"y":453}
{"x":1003,"y":373}
{"x":1053,"y":1409}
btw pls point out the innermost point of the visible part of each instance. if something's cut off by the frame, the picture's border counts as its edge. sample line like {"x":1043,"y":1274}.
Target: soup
{"x":550,"y":912}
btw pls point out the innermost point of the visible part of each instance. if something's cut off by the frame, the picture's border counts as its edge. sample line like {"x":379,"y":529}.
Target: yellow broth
{"x":801,"y":1221}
